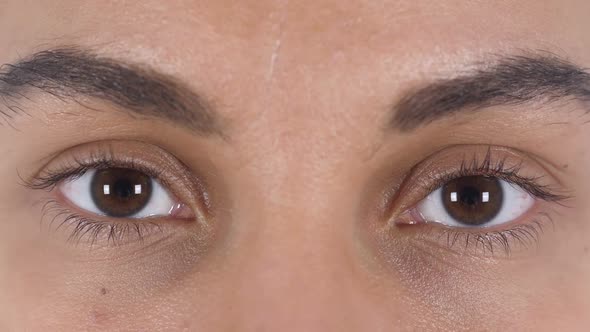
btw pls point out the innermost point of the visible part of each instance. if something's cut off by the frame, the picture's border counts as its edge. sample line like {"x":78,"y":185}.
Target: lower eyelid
{"x":83,"y":227}
{"x":504,"y":241}
{"x":78,"y":227}
{"x":512,"y":239}
{"x":67,"y":221}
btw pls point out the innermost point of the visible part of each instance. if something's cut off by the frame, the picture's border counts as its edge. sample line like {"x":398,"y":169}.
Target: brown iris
{"x":119,"y":192}
{"x":473,"y":200}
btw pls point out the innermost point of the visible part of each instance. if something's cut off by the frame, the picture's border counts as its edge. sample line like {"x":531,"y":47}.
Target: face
{"x":294,"y":166}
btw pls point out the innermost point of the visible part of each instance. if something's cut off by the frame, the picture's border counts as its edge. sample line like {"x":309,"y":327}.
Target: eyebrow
{"x":506,"y":80}
{"x":70,"y":72}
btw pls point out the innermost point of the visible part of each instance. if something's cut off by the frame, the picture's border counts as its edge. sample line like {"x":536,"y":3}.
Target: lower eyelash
{"x":505,"y":240}
{"x":521,"y":236}
{"x":84,"y":229}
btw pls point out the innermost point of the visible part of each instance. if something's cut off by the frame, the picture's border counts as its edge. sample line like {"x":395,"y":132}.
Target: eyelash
{"x":116,"y":233}
{"x":499,"y":169}
{"x":525,"y":234}
{"x":50,"y":179}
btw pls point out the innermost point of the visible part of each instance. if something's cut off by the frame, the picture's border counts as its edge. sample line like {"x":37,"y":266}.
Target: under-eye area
{"x":275,"y":165}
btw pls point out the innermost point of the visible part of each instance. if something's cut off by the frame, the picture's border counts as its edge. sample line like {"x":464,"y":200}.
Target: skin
{"x":295,"y":244}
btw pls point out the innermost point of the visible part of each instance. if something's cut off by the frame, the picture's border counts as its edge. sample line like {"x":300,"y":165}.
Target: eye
{"x":120,"y":193}
{"x":475,"y":201}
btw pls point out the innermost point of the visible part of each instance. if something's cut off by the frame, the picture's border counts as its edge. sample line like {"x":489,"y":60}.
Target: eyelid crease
{"x":79,"y":167}
{"x":149,"y":159}
{"x":508,"y":164}
{"x":177,"y":178}
{"x":499,"y":170}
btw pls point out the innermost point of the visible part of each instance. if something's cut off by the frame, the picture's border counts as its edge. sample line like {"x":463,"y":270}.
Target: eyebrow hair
{"x":509,"y":80}
{"x":70,"y":72}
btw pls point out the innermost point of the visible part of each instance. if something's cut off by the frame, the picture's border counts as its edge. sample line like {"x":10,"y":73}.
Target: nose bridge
{"x":297,"y":267}
{"x":287,"y":282}
{"x":297,"y":261}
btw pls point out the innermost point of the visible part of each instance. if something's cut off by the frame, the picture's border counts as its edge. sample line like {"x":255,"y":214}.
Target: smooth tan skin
{"x":295,"y":245}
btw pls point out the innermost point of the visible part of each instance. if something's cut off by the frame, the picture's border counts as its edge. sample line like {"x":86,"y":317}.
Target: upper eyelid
{"x":50,"y":179}
{"x":100,"y":154}
{"x":174,"y":176}
{"x":508,"y":173}
{"x":184,"y":182}
{"x":492,"y":165}
{"x":448,"y":162}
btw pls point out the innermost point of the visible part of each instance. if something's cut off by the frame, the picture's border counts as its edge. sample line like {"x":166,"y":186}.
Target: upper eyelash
{"x":79,"y":167}
{"x":523,"y":234}
{"x":82,"y":226}
{"x":500,"y":170}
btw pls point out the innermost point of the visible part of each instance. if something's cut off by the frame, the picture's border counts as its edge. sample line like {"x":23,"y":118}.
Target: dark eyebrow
{"x":507,"y":80}
{"x":71,"y":71}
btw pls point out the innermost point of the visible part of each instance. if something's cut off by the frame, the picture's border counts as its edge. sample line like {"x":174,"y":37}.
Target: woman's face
{"x":294,"y":166}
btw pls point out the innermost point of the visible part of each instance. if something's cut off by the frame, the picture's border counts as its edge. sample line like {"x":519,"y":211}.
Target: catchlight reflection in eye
{"x":474,"y":201}
{"x":121,"y":193}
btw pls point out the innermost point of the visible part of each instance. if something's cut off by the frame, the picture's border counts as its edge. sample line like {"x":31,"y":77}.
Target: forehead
{"x":338,"y":25}
{"x":307,"y":56}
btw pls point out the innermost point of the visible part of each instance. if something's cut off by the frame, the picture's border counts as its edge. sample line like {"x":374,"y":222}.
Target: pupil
{"x":123,"y":188}
{"x":119,"y":192}
{"x":473,"y":200}
{"x":470,"y":196}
